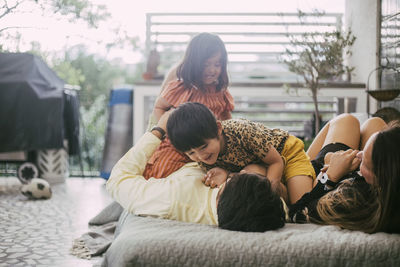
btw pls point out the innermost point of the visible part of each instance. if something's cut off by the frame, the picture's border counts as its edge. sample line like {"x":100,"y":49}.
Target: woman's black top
{"x":305,"y":208}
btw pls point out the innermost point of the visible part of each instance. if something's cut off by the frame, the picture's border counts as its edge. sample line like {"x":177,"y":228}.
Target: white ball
{"x":37,"y":189}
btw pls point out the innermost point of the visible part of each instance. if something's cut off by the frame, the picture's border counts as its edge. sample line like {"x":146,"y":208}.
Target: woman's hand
{"x":341,"y":163}
{"x":215,"y":177}
{"x":327,"y":157}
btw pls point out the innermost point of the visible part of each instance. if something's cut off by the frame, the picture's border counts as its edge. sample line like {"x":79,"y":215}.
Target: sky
{"x":55,"y":35}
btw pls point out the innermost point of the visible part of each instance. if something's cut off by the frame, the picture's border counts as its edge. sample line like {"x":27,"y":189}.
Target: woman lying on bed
{"x":342,"y":197}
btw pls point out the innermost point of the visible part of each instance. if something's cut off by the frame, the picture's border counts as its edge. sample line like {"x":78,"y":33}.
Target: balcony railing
{"x":277,"y":105}
{"x":255,"y":42}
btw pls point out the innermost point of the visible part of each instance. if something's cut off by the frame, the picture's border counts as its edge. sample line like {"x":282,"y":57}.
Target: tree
{"x":319,"y":57}
{"x":68,"y":10}
{"x":71,"y":10}
{"x":95,"y":75}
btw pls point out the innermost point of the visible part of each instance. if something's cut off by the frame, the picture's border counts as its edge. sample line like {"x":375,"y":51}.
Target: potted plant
{"x":318,"y":57}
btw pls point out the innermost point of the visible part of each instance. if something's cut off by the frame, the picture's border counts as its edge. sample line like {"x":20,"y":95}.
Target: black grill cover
{"x":31,"y":104}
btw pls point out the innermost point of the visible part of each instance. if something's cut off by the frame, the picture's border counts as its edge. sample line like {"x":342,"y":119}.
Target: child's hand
{"x":215,"y":177}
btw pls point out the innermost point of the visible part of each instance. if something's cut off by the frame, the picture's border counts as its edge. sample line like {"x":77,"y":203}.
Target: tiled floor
{"x":40,"y":233}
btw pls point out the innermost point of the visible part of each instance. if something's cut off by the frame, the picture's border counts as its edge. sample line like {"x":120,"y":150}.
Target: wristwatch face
{"x":324,"y":178}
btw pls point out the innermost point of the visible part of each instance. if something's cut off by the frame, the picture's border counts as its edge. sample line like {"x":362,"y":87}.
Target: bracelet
{"x":160,"y":130}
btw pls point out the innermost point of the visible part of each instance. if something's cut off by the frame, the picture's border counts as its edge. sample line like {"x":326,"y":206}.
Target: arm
{"x":129,"y":188}
{"x":342,"y":163}
{"x":275,"y":165}
{"x":171,"y":76}
{"x":275,"y":168}
{"x":305,"y":207}
{"x":215,"y":177}
{"x":229,"y":102}
{"x":160,"y":107}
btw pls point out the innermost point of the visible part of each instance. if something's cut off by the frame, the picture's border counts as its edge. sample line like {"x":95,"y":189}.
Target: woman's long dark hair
{"x":364,"y":207}
{"x":386,"y":167}
{"x":202,"y":47}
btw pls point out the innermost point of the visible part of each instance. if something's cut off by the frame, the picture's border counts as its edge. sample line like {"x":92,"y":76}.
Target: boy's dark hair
{"x":249,"y":204}
{"x":202,"y":47}
{"x":190,"y":125}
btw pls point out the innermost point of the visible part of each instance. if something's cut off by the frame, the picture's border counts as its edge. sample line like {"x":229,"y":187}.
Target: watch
{"x":160,"y":130}
{"x":324,"y":179}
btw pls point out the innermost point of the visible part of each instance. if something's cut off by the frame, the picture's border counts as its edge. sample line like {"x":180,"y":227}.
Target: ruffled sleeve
{"x":175,"y":93}
{"x":230,"y":103}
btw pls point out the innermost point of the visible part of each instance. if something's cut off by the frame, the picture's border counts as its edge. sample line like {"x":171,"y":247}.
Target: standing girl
{"x":202,"y":77}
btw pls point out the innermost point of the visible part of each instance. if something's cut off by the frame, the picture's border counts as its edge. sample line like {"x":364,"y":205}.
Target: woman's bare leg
{"x":344,"y":128}
{"x":369,"y":127}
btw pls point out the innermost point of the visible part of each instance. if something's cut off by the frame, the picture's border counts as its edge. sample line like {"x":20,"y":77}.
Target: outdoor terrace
{"x":256,"y":42}
{"x":263,"y":87}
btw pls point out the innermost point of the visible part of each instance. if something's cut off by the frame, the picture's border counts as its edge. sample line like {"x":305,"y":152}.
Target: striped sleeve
{"x":164,"y":161}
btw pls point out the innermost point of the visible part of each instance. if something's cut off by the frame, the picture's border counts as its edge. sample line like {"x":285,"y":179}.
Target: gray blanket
{"x":102,"y":230}
{"x":146,"y":241}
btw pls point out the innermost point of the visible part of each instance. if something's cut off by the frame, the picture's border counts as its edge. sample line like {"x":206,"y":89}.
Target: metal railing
{"x":255,"y":41}
{"x":272,"y":104}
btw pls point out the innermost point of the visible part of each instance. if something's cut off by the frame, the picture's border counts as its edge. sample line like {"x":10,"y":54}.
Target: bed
{"x":147,"y":241}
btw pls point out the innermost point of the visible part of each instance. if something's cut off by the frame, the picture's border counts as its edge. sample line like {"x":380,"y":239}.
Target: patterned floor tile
{"x":40,"y":232}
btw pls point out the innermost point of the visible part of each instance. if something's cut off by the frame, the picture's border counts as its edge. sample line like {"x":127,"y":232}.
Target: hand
{"x":327,"y":157}
{"x":215,"y":177}
{"x":341,"y":163}
{"x":162,"y":122}
{"x":301,"y":216}
{"x":324,"y":168}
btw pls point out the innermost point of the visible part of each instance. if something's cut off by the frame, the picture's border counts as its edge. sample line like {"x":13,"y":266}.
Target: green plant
{"x":317,"y":57}
{"x":94,"y":123}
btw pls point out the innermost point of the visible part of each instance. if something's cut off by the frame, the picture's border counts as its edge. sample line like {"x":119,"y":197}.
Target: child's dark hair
{"x":190,"y":125}
{"x":250,"y":204}
{"x":202,"y":47}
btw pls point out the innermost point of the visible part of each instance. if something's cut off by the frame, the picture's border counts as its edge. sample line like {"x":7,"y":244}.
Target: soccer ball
{"x":37,"y":189}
